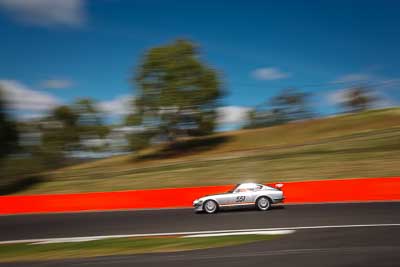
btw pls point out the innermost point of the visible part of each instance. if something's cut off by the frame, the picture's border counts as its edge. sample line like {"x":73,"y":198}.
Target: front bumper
{"x":198,"y":206}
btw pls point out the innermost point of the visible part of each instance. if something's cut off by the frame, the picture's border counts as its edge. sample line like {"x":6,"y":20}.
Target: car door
{"x":250,"y":194}
{"x":243,"y":198}
{"x":243,"y":195}
{"x":231,"y":199}
{"x":226,"y":199}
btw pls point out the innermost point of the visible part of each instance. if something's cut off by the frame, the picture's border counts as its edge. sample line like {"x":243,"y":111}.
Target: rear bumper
{"x":278,"y":200}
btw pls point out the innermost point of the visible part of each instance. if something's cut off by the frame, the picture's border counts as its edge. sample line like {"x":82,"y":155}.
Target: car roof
{"x":249,"y":184}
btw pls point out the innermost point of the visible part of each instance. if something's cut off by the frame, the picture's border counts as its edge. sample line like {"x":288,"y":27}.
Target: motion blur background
{"x":112,"y":95}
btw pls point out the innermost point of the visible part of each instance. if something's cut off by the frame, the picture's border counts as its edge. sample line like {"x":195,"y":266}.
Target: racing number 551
{"x":240,"y":198}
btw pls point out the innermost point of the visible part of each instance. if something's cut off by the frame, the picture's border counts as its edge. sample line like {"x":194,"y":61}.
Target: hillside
{"x":356,"y":145}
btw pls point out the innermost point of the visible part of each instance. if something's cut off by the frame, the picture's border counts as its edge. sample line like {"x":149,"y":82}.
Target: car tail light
{"x":279,"y":186}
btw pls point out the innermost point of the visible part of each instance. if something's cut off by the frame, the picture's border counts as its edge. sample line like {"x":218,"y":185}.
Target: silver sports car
{"x":242,"y":195}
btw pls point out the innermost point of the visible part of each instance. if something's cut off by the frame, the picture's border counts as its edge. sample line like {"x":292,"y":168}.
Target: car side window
{"x":251,"y":188}
{"x":257,"y":187}
{"x":241,"y":189}
{"x":248,"y":188}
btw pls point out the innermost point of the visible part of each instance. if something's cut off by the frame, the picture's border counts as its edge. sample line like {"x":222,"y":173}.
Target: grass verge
{"x":119,"y":246}
{"x":349,"y":146}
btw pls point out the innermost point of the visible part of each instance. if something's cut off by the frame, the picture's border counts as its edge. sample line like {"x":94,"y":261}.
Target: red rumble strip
{"x":349,"y":190}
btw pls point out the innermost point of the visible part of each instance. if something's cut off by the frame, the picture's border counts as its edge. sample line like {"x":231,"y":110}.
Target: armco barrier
{"x":368,"y":189}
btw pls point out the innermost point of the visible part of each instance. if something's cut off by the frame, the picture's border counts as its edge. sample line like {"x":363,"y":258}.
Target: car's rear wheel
{"x":210,"y":206}
{"x":263,"y":203}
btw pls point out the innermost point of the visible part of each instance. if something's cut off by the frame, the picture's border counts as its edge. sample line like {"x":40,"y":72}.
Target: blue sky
{"x":53,"y":51}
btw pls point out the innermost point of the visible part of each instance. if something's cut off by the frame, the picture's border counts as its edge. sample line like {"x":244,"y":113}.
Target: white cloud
{"x":336,"y":97}
{"x":21,"y":98}
{"x":121,"y":105}
{"x":29,"y":116}
{"x":340,"y":96}
{"x":379,"y":89}
{"x":372,"y":80}
{"x":354,"y":77}
{"x":269,"y":74}
{"x":389,"y":83}
{"x":386,"y":102}
{"x":46,"y":12}
{"x":232,"y":114}
{"x":56,"y":84}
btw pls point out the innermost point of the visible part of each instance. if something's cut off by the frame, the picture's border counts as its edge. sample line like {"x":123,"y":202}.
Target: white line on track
{"x":274,"y":232}
{"x":89,"y":238}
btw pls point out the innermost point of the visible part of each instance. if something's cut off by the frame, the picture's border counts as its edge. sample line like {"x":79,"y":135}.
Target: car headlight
{"x":197,"y":202}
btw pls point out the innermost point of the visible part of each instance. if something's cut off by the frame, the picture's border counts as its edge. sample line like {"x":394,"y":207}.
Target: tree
{"x":66,"y":116}
{"x":139,"y":138}
{"x":68,"y":127}
{"x":260,"y":117}
{"x":358,"y":99}
{"x":8,"y":131}
{"x":177,"y":94}
{"x":88,"y":114}
{"x":288,"y":105}
{"x":89,"y":119}
{"x":59,"y":133}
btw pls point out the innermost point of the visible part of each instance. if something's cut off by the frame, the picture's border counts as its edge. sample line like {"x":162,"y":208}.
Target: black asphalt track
{"x":357,"y":246}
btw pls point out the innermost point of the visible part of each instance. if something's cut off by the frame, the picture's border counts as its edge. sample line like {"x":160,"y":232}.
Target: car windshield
{"x":233,"y":189}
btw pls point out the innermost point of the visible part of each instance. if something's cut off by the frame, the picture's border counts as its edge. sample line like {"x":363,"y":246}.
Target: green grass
{"x":118,"y":246}
{"x":358,"y":145}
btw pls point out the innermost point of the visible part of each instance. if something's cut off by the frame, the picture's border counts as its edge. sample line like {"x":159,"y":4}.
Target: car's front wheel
{"x":263,"y":203}
{"x":210,"y":206}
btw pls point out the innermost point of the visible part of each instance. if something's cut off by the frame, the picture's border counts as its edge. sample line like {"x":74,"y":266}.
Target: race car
{"x":242,"y":195}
